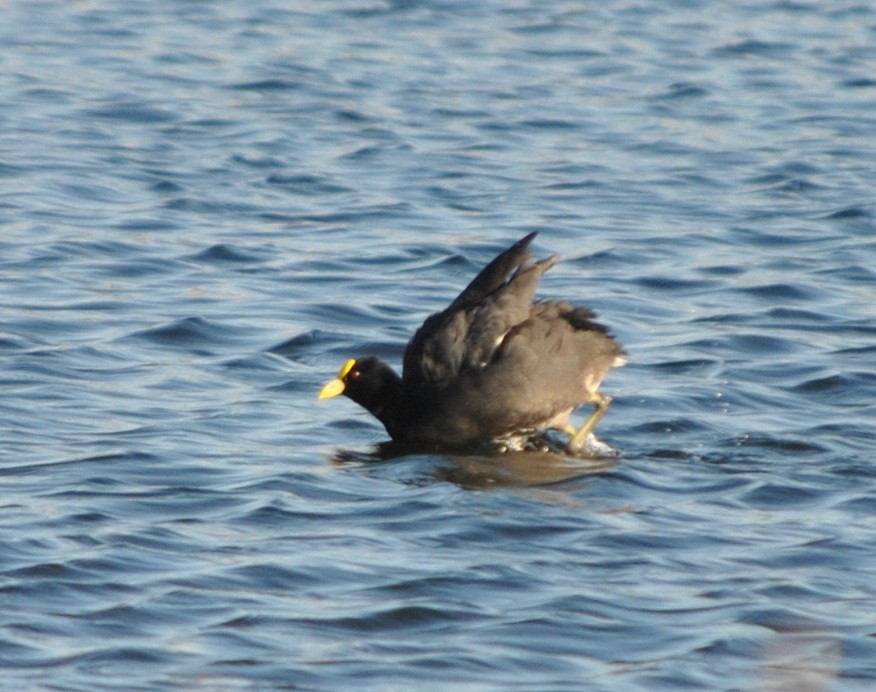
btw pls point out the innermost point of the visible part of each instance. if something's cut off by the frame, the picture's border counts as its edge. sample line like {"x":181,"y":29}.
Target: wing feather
{"x":468,"y":333}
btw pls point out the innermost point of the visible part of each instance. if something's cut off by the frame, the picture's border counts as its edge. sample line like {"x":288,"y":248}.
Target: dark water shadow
{"x":538,"y":465}
{"x":522,"y":469}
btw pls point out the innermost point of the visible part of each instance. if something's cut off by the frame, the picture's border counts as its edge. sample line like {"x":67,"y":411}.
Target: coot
{"x":494,"y":367}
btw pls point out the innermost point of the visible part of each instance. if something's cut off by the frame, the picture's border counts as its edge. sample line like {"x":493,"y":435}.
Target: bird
{"x":496,"y":367}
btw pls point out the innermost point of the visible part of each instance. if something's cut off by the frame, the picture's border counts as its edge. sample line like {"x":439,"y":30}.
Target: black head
{"x":372,"y":384}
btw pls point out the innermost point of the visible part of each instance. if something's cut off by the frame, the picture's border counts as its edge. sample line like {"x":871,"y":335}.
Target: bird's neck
{"x":389,"y":407}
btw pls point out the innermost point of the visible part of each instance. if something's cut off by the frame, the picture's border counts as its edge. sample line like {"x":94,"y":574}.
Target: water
{"x":207,"y":207}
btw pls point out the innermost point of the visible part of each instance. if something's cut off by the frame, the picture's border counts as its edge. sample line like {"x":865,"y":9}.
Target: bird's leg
{"x":601,"y":402}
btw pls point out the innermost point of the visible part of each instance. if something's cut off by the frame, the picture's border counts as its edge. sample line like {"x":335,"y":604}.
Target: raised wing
{"x":468,"y":333}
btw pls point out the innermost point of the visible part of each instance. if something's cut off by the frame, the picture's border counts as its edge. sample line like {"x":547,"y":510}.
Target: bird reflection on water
{"x":541,"y":463}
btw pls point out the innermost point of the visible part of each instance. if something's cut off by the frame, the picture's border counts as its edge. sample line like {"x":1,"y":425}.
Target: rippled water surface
{"x":207,"y":206}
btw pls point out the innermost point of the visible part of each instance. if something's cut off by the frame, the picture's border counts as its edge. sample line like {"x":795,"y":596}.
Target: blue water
{"x":206,"y":207}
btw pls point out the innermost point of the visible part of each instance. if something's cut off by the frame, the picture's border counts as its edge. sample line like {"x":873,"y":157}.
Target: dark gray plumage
{"x":493,"y":366}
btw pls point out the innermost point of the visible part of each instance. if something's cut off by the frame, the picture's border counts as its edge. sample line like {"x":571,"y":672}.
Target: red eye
{"x":354,"y":374}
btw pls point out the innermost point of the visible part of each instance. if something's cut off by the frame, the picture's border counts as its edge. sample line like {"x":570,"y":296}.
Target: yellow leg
{"x":601,"y":402}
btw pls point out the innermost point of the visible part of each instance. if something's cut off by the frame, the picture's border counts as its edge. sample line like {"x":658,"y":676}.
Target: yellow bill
{"x":331,"y":389}
{"x":337,"y":385}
